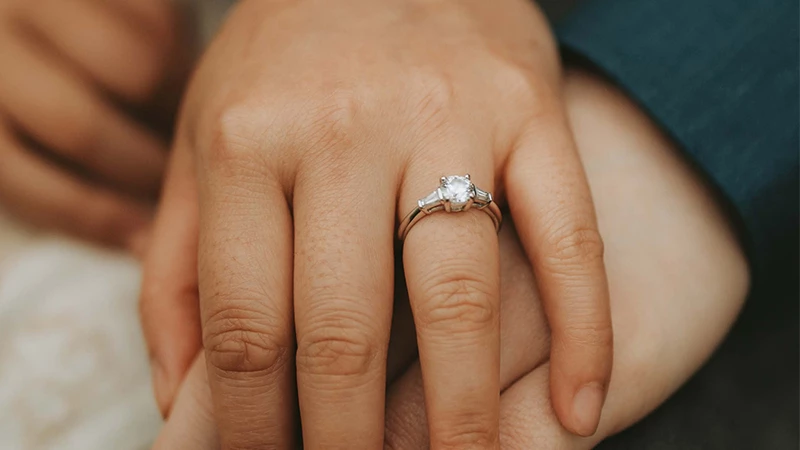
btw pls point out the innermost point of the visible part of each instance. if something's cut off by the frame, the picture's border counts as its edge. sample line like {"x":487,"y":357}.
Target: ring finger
{"x":524,"y":338}
{"x":451,"y":264}
{"x":37,"y":190}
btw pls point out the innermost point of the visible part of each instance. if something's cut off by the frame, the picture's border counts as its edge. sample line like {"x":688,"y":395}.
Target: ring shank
{"x":418,"y":213}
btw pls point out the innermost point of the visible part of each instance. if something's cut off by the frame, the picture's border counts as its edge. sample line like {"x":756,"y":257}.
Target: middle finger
{"x":343,"y":303}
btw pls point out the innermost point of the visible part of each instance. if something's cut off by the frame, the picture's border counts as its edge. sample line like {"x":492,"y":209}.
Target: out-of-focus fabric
{"x":721,"y":77}
{"x":73,"y":367}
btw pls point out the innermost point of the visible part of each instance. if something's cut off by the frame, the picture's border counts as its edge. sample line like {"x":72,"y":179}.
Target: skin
{"x":674,"y":296}
{"x":73,"y":157}
{"x":296,"y":109}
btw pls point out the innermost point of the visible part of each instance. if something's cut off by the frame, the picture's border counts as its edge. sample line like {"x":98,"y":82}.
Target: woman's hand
{"x":71,"y":156}
{"x":309,"y":130}
{"x":673,"y":298}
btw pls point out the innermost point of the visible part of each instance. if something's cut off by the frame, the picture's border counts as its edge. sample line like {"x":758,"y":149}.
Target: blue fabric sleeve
{"x":721,"y":77}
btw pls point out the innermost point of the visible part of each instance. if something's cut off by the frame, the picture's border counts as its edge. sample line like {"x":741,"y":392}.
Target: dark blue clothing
{"x":721,"y":77}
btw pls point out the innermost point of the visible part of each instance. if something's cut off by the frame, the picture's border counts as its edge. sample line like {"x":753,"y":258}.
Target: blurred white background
{"x":73,"y":367}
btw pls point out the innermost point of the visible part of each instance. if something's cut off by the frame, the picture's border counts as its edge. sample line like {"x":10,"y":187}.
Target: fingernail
{"x":160,"y":386}
{"x":586,"y":407}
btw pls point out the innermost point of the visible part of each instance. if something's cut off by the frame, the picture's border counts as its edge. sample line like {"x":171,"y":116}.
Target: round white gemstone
{"x":456,"y":190}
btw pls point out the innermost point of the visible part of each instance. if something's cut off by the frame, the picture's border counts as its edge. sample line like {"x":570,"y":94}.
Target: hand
{"x":673,"y":298}
{"x":308,"y":132}
{"x":72,"y":157}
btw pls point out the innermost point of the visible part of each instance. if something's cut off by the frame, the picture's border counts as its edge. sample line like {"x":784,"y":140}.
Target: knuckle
{"x":458,"y":304}
{"x":147,"y":73}
{"x":232,"y":139}
{"x":467,"y":430}
{"x":540,"y":101}
{"x":592,"y":334}
{"x":242,"y":340}
{"x":337,"y":345}
{"x":139,"y":76}
{"x":330,"y":125}
{"x":433,"y":97}
{"x":78,"y":134}
{"x":337,"y":112}
{"x":573,"y":246}
{"x":519,"y":84}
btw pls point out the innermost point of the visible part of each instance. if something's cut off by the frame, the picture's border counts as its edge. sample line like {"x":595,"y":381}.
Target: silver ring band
{"x":455,"y":194}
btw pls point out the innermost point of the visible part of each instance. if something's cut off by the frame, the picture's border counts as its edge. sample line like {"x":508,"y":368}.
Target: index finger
{"x":343,"y":298}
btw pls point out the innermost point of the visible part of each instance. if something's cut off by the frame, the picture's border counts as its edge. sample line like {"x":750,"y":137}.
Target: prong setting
{"x":458,"y":193}
{"x":455,"y":193}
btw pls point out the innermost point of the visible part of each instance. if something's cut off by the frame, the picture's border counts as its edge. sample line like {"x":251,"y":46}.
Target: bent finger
{"x":552,"y":207}
{"x":524,"y":345}
{"x":123,"y":61}
{"x":68,"y":117}
{"x":168,"y":304}
{"x":48,"y":196}
{"x":156,"y":16}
